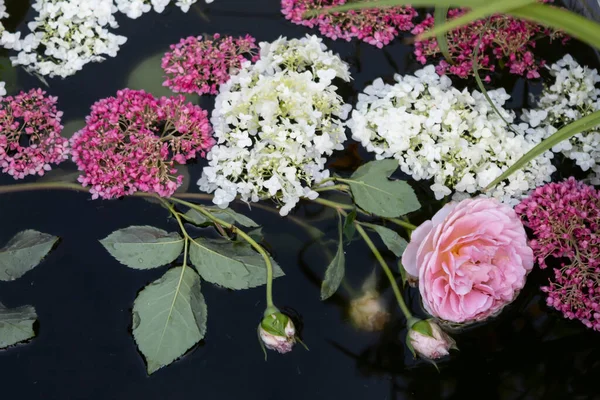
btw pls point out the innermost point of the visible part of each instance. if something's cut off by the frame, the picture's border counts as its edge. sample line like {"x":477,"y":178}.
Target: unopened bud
{"x":368,"y":312}
{"x":429,"y":341}
{"x":277,"y":332}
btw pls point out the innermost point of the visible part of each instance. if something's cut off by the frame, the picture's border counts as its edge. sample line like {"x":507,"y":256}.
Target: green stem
{"x":344,"y":188}
{"x":30,"y":187}
{"x":333,"y":204}
{"x":244,"y":236}
{"x":386,"y":269}
{"x":404,"y":224}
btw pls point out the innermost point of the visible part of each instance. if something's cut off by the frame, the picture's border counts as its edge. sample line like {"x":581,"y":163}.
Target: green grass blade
{"x":479,"y":12}
{"x":564,"y":133}
{"x":561,"y":19}
{"x":415,"y":3}
{"x":439,"y":18}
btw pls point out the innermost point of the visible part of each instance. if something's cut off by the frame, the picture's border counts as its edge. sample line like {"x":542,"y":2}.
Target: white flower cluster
{"x":3,"y":14}
{"x":135,"y":8}
{"x":66,"y":35}
{"x":455,"y":137}
{"x":275,"y":122}
{"x":572,"y":96}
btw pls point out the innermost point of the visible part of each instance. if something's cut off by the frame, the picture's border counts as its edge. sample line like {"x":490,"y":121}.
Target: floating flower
{"x":132,"y":142}
{"x":565,"y":220}
{"x":377,"y":26}
{"x":453,"y":137}
{"x":30,"y":134}
{"x":277,"y":332}
{"x":573,"y":94}
{"x":471,"y":259}
{"x":275,"y":123}
{"x":66,"y":35}
{"x":429,"y":341}
{"x":500,"y":39}
{"x":200,"y":64}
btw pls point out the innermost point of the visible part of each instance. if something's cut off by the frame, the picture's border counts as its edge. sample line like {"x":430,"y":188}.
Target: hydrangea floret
{"x":200,"y":64}
{"x":30,"y":134}
{"x":376,"y":26}
{"x":66,"y":35}
{"x":275,"y":122}
{"x":132,"y":142}
{"x":573,"y":94}
{"x":135,"y":8}
{"x":500,"y":40}
{"x":454,"y":137}
{"x":565,"y":221}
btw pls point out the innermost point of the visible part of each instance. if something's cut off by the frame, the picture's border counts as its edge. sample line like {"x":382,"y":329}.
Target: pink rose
{"x":471,"y":259}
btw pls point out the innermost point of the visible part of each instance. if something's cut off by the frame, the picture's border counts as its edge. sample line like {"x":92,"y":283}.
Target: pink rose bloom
{"x":471,"y":259}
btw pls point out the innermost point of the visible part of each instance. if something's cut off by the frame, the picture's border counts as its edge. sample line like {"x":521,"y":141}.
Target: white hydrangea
{"x":7,"y":39}
{"x":135,"y":8}
{"x":275,"y":122}
{"x":573,"y":95}
{"x":454,"y":137}
{"x":71,"y":33}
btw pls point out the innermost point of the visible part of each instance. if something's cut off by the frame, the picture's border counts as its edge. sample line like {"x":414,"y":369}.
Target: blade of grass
{"x":440,"y":15}
{"x":483,"y":11}
{"x":564,"y":133}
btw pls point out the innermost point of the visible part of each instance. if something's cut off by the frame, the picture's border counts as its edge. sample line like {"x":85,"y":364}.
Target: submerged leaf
{"x":16,"y":325}
{"x":334,"y":275}
{"x":227,"y":215}
{"x":143,"y":247}
{"x":376,"y":194}
{"x":349,"y":228}
{"x":23,"y":253}
{"x":169,"y":317}
{"x":233,"y":265}
{"x":394,"y":242}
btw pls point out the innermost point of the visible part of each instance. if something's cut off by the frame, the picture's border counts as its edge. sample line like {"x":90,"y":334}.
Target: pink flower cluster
{"x":502,"y":40}
{"x":376,"y":26}
{"x":131,"y":143}
{"x":30,"y":134}
{"x":565,"y":220}
{"x":199,"y":65}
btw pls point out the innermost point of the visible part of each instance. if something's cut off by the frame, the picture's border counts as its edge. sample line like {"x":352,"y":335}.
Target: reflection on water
{"x":84,"y":297}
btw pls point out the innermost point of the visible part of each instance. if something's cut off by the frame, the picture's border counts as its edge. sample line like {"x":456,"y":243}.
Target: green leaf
{"x":376,"y":194}
{"x":148,"y":75}
{"x":481,"y":11}
{"x":257,"y":234}
{"x":23,"y":253}
{"x":336,"y":269}
{"x":169,"y":317}
{"x":233,"y":265}
{"x":16,"y":325}
{"x":143,"y":247}
{"x":583,"y":124}
{"x":227,"y":215}
{"x":394,"y":242}
{"x":403,"y":274}
{"x":349,"y":228}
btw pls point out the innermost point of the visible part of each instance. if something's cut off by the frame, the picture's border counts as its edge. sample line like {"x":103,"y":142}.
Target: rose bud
{"x":368,"y":312}
{"x":277,"y":332}
{"x":429,"y":341}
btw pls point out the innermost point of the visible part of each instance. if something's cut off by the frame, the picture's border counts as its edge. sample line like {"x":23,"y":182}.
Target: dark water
{"x":83,"y":297}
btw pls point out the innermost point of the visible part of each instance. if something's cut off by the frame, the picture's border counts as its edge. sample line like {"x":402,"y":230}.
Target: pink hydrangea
{"x":471,"y":259}
{"x":502,"y":40}
{"x":200,"y":64}
{"x":30,"y":134}
{"x":376,"y":26}
{"x":565,"y":222}
{"x":132,"y":142}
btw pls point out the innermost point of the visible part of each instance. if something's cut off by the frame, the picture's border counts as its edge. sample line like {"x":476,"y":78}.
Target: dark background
{"x":83,"y":297}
